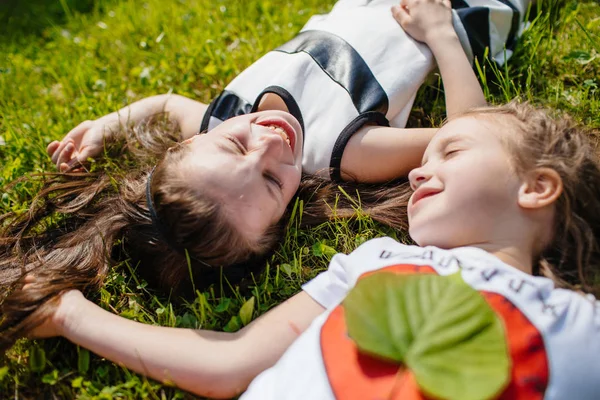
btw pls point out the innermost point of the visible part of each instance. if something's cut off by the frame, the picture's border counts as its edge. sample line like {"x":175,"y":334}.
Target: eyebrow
{"x":445,"y":142}
{"x":229,"y":146}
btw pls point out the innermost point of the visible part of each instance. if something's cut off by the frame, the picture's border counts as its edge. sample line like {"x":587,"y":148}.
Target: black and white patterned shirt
{"x":356,"y":65}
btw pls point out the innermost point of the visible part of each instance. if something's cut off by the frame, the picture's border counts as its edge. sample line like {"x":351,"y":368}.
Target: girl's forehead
{"x":464,"y":128}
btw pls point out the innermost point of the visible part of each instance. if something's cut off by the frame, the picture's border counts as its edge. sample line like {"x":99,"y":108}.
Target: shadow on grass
{"x":22,"y":18}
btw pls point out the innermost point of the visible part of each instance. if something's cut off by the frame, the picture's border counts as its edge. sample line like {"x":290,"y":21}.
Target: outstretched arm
{"x":214,"y":364}
{"x":430,"y":22}
{"x":87,"y":139}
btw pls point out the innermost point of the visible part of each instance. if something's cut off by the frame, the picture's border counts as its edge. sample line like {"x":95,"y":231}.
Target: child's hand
{"x":84,"y":141}
{"x":424,"y":20}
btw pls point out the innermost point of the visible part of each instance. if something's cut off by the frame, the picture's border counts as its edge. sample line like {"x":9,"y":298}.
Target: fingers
{"x":52,"y":147}
{"x":65,"y":156}
{"x":407,"y":5}
{"x":72,"y":136}
{"x":56,"y":155}
{"x":400,"y":13}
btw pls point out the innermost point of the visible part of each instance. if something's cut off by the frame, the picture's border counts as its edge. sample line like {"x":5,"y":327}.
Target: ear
{"x":541,"y":187}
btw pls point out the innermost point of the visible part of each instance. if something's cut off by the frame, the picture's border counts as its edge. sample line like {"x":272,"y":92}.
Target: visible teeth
{"x":281,"y":133}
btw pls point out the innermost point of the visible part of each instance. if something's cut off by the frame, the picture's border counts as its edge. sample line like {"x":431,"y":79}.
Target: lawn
{"x":65,"y":61}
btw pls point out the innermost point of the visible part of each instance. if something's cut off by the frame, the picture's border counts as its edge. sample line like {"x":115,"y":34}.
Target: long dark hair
{"x":81,"y":223}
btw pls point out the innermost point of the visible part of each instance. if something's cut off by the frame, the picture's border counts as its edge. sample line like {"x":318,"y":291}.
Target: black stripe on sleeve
{"x":335,"y":164}
{"x":225,"y":106}
{"x":344,"y":65}
{"x":206,"y":117}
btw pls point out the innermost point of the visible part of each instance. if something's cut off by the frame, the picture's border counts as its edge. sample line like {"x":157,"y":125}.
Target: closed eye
{"x":451,"y":153}
{"x":273,"y":179}
{"x":239,"y":146}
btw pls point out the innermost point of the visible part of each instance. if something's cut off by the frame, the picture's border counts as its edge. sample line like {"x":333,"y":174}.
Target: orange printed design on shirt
{"x":355,"y":375}
{"x":529,"y":372}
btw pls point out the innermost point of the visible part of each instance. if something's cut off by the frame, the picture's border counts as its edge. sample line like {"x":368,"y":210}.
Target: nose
{"x":268,"y":144}
{"x":417,"y":177}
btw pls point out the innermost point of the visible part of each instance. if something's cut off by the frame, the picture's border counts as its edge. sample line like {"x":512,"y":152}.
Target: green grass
{"x":66,"y":61}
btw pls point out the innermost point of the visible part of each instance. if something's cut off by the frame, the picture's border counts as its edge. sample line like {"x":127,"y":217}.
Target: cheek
{"x":486,"y":192}
{"x":471,"y":205}
{"x":255,"y":217}
{"x":478,"y":176}
{"x":292,"y":178}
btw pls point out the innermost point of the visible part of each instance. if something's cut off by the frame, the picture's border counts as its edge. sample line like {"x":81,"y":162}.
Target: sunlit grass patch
{"x":81,"y":62}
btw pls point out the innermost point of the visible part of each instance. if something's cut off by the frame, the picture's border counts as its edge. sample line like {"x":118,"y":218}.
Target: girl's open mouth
{"x":283,"y":129}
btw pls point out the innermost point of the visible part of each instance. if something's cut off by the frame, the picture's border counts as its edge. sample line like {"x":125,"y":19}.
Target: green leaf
{"x":102,"y":371}
{"x":582,"y":57}
{"x":37,"y":359}
{"x":440,"y":328}
{"x":187,"y":320}
{"x":233,"y":325}
{"x":51,"y":378}
{"x":287,"y":269}
{"x":590,"y":83}
{"x":246,"y":311}
{"x":77,"y":382}
{"x":316,"y":249}
{"x":83,"y":360}
{"x":321,"y":249}
{"x":223,"y":305}
{"x":3,"y":373}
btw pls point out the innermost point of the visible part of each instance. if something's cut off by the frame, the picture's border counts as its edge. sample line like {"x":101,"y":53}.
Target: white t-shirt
{"x":553,"y":335}
{"x":355,"y":66}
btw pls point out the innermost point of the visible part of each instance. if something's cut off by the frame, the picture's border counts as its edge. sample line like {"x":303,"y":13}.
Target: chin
{"x":426,"y":237}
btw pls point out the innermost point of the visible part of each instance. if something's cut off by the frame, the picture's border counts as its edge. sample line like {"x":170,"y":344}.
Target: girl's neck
{"x":272,"y":101}
{"x":515,"y":256}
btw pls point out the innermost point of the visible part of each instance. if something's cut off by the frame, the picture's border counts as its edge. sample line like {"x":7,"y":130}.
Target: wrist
{"x":441,"y":36}
{"x":71,"y":307}
{"x":109,"y":125}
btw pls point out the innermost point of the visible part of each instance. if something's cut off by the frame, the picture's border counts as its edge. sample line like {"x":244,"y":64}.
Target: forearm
{"x":214,"y":364}
{"x":461,"y":87}
{"x":201,"y":362}
{"x":185,"y":112}
{"x":116,"y":122}
{"x":380,"y":154}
